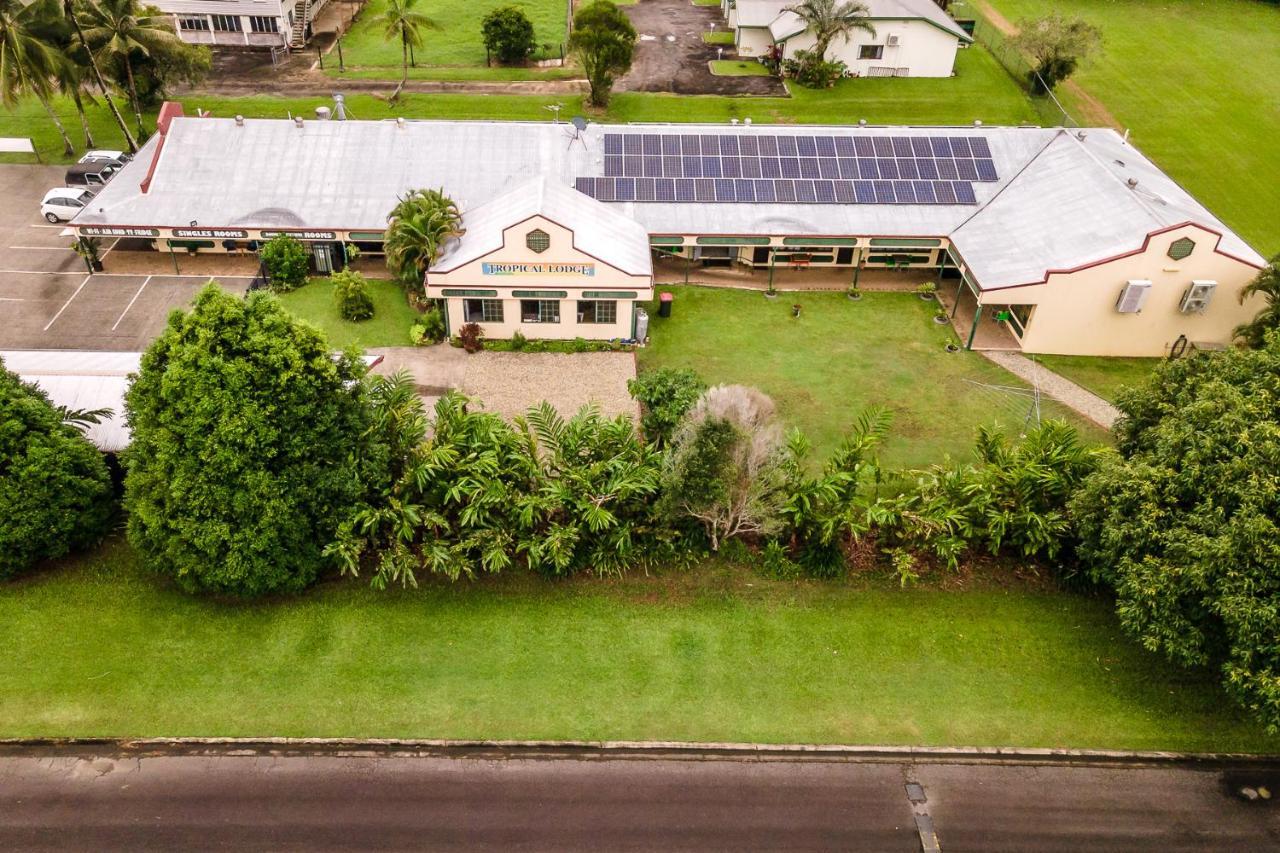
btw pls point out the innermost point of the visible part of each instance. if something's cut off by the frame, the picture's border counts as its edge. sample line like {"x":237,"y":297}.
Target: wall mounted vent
{"x":1133,"y":296}
{"x":1197,"y":297}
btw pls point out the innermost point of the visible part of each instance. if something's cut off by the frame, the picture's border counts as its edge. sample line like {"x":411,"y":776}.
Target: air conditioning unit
{"x":892,"y":41}
{"x":1133,"y":296}
{"x":1197,"y":297}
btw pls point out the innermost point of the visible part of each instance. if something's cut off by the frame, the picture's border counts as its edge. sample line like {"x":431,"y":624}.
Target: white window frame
{"x":490,"y":310}
{"x":545,"y":311}
{"x":593,"y":316}
{"x":862,"y":51}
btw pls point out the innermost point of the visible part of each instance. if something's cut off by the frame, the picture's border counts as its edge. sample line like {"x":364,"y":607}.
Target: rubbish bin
{"x":664,"y":304}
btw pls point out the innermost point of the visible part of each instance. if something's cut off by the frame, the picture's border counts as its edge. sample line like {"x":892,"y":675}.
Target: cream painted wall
{"x":1076,"y":313}
{"x":753,"y":41}
{"x":923,"y":48}
{"x":514,"y":250}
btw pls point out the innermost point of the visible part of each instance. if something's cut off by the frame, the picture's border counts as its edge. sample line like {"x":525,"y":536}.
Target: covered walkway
{"x":669,"y":269}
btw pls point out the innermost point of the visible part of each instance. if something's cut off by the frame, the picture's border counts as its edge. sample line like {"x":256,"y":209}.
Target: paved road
{"x":116,"y":802}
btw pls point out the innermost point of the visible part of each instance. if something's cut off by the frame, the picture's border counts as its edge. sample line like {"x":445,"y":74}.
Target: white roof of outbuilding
{"x":82,"y":380}
{"x":601,"y":232}
{"x":1065,"y":197}
{"x":783,"y":24}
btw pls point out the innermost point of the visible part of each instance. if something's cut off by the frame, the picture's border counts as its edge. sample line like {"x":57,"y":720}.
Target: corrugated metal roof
{"x":603,"y":233}
{"x":783,"y":24}
{"x":347,"y":175}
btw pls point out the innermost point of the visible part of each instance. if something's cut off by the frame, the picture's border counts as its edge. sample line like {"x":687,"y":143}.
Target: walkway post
{"x":687,"y":261}
{"x":174,"y":255}
{"x":973,"y":330}
{"x":771,"y":254}
{"x":857,"y":271}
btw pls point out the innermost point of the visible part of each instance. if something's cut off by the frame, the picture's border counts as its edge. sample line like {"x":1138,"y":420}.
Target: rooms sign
{"x":538,"y":269}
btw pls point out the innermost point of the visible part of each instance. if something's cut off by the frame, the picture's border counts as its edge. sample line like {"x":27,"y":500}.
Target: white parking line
{"x":131,"y":301}
{"x":11,"y":299}
{"x":68,"y":302}
{"x":42,"y":272}
{"x":45,"y":226}
{"x":46,"y":248}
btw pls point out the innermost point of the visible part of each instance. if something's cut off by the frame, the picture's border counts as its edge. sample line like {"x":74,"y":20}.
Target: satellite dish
{"x":579,"y":123}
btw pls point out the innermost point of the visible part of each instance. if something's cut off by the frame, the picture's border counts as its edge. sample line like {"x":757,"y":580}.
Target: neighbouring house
{"x":243,"y":23}
{"x":1043,"y":240}
{"x":913,"y":38}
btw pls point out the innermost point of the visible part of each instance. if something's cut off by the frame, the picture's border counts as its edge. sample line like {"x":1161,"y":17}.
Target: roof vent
{"x":1132,"y":183}
{"x":239,"y":121}
{"x":322,"y":113}
{"x":400,"y":122}
{"x":297,"y":120}
{"x":339,"y":107}
{"x":1080,"y":134}
{"x":747,"y":120}
{"x":977,"y":122}
{"x":733,"y":121}
{"x":862,"y":122}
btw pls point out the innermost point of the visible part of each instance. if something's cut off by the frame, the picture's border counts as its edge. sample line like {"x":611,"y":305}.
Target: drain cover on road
{"x":915,"y":792}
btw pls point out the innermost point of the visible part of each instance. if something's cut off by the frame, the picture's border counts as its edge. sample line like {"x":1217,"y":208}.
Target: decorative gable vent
{"x":1181,"y":248}
{"x":538,"y":240}
{"x":1133,"y":297}
{"x":1197,"y":297}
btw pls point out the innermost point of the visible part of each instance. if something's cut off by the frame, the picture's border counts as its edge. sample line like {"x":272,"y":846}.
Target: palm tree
{"x":829,"y":19}
{"x":116,"y":29}
{"x":69,"y":12}
{"x":422,"y":222}
{"x":1267,"y":285}
{"x":27,"y":65}
{"x":401,"y":22}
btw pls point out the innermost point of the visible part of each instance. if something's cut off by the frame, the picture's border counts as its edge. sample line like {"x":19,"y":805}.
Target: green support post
{"x":857,"y":271}
{"x":977,"y":316}
{"x":771,"y":254}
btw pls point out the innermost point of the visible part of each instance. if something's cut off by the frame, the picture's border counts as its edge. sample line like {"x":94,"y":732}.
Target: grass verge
{"x":389,"y":326}
{"x":1103,"y":376}
{"x":839,"y":358}
{"x":737,"y":68}
{"x":723,"y":37}
{"x":101,"y":648}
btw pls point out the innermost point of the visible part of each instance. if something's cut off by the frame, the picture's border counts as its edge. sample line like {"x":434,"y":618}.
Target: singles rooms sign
{"x":538,"y":268}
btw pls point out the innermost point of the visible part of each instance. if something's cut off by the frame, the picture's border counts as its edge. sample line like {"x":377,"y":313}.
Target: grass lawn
{"x":389,"y":327}
{"x":738,"y":68}
{"x":718,"y":37}
{"x":458,"y":42}
{"x":448,"y":73}
{"x":1103,"y":376}
{"x":839,"y":358}
{"x":1198,"y":83}
{"x":101,"y":648}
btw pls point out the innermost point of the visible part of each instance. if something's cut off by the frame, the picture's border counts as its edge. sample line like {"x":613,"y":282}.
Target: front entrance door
{"x":323,"y":257}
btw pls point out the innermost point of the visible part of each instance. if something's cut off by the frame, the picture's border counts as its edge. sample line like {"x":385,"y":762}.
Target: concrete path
{"x":1071,"y":395}
{"x":105,"y":800}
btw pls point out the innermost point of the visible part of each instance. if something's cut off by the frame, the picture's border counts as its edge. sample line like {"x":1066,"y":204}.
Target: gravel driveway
{"x":672,"y":57}
{"x":509,"y":383}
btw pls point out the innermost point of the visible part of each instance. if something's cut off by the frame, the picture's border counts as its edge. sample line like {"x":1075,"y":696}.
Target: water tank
{"x":642,"y":324}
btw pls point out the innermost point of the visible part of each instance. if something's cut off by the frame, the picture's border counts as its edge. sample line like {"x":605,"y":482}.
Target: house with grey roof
{"x":913,"y":38}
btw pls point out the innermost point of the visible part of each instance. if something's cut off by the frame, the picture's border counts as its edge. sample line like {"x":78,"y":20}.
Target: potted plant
{"x":89,"y":248}
{"x":927,"y":290}
{"x":940,"y":317}
{"x":795,"y":310}
{"x":854,"y":293}
{"x":772,"y":292}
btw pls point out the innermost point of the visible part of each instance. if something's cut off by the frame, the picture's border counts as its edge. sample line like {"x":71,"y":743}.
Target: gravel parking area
{"x":510,"y":382}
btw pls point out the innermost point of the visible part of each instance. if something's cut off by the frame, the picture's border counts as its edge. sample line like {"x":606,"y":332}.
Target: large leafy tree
{"x":421,"y":224}
{"x":828,"y":20}
{"x":1057,"y":45}
{"x":1267,"y":285}
{"x":508,"y":34}
{"x":117,"y":30}
{"x":1184,"y":522}
{"x":247,"y":447}
{"x":55,"y":491}
{"x":400,"y":22}
{"x":603,"y":40}
{"x":28,"y":65}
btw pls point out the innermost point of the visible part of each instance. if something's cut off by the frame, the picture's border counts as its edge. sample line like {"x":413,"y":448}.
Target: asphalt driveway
{"x":672,"y":57}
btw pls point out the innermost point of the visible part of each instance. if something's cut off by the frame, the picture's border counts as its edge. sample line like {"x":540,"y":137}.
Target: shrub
{"x":808,"y":68}
{"x":470,"y":337}
{"x":603,"y":41}
{"x":288,"y":262}
{"x":1184,"y":522}
{"x":665,"y":396}
{"x":352,"y":296}
{"x":518,"y":341}
{"x":580,"y":345}
{"x":432,"y":325}
{"x":508,"y":34}
{"x":55,"y":491}
{"x":246,"y":436}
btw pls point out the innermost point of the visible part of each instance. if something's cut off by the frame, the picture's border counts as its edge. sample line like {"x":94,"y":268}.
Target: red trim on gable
{"x":169,"y":110}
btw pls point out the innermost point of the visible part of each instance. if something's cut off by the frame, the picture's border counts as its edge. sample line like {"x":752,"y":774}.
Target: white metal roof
{"x":347,"y":175}
{"x":82,"y":380}
{"x":784,"y":24}
{"x":605,"y":234}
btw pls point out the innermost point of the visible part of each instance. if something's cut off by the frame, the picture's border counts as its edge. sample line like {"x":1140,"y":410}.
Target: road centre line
{"x":68,"y":302}
{"x":131,"y":301}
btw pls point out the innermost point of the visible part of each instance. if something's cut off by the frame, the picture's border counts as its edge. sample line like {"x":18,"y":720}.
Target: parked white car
{"x":61,"y":204}
{"x":99,"y":154}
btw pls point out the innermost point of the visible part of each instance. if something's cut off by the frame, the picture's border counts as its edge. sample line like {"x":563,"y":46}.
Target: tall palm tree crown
{"x":117,"y":29}
{"x":28,"y":66}
{"x":828,"y":20}
{"x":402,"y":23}
{"x":1267,"y":285}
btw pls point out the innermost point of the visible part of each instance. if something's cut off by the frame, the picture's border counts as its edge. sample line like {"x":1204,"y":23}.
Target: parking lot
{"x":49,"y":301}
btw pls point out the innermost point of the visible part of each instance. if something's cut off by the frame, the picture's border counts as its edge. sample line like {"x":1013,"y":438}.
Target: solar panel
{"x":851,"y":169}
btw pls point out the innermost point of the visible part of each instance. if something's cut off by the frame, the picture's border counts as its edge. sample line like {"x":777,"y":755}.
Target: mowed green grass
{"x":1103,"y":376}
{"x":980,"y":90}
{"x":98,"y":647}
{"x":1198,"y":83}
{"x":738,"y":68}
{"x":389,"y":326}
{"x":840,"y":357}
{"x":458,"y":41}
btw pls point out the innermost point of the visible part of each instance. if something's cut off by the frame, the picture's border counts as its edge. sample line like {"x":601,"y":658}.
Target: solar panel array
{"x":674,"y":167}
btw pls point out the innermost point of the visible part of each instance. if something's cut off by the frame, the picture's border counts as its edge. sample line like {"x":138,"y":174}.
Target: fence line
{"x":1017,"y":66}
